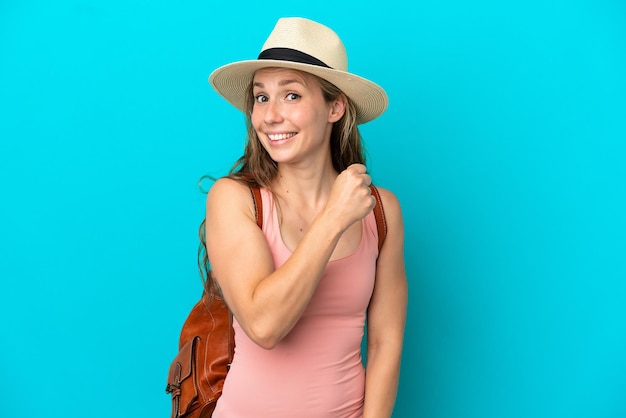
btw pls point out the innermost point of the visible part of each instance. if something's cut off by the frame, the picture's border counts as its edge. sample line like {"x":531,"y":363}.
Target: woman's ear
{"x":337,"y":108}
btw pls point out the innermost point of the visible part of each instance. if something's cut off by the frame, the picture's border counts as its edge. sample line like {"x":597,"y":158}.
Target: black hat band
{"x":288,"y":54}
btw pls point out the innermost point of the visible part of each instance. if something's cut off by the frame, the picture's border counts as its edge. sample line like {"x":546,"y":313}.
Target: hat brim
{"x":232,"y":80}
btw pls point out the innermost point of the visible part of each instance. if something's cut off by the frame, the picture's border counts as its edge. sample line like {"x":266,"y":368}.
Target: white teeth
{"x":278,"y":137}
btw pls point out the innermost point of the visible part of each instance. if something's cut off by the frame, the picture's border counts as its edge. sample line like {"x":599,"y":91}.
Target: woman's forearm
{"x":381,"y":381}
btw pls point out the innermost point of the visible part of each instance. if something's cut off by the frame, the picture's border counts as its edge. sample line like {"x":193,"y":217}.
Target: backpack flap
{"x":180,"y":380}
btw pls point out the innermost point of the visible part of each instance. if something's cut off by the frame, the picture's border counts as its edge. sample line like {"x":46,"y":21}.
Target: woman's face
{"x":291,"y":117}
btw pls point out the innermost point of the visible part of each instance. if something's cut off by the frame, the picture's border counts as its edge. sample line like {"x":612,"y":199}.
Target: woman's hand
{"x":350,"y":198}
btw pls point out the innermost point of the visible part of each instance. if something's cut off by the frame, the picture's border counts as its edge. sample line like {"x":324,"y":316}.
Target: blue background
{"x":504,"y":140}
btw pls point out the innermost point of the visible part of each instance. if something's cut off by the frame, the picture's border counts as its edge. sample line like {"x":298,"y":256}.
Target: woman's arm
{"x":386,"y":317}
{"x":266,"y":302}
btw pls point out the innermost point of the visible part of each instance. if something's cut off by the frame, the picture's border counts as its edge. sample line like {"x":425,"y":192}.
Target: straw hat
{"x":304,"y":45}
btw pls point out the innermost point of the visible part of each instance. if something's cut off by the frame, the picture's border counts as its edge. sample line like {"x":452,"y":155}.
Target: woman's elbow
{"x":264,"y":336}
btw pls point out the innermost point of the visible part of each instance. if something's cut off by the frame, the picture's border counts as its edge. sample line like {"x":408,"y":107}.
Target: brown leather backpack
{"x":206,"y":345}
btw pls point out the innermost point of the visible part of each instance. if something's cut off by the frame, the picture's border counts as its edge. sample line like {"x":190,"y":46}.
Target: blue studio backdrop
{"x":504,"y":140}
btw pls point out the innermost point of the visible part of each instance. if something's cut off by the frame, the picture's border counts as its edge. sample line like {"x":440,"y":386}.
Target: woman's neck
{"x":307,"y":185}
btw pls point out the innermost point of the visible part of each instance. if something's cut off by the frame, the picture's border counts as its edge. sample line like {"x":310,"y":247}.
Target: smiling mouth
{"x":280,"y":137}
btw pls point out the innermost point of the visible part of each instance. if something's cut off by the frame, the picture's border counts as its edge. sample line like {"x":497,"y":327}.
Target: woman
{"x":300,"y":288}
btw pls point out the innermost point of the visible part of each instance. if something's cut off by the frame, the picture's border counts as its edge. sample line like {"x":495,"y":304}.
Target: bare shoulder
{"x":228,"y":195}
{"x":391,"y":206}
{"x":227,"y":187}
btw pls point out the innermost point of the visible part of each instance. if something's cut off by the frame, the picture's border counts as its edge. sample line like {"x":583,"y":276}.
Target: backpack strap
{"x":258,"y":205}
{"x":379,"y":214}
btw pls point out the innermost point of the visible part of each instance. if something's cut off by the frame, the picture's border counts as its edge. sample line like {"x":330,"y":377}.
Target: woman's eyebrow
{"x":285,"y":82}
{"x":281,"y":83}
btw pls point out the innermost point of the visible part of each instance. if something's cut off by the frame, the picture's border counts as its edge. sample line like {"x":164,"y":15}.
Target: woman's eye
{"x":260,"y":98}
{"x":293,"y":96}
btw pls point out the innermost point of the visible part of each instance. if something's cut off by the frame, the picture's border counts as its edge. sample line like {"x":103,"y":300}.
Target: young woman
{"x":300,"y":289}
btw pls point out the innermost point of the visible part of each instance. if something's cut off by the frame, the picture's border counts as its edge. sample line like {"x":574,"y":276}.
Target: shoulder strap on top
{"x":379,"y":214}
{"x":258,"y":205}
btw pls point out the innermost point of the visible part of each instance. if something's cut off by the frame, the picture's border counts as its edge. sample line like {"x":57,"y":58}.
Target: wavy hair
{"x":255,"y":167}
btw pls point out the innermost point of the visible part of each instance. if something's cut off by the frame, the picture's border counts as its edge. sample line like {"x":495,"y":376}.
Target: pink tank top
{"x":316,"y":370}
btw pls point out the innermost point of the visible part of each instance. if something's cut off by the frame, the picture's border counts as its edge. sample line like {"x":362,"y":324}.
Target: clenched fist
{"x":350,"y":198}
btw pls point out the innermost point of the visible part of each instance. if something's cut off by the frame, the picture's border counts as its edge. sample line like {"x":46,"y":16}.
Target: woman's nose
{"x":273,"y":112}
